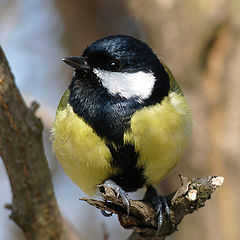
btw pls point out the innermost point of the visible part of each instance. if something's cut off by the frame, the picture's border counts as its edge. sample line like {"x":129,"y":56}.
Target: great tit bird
{"x":123,"y":120}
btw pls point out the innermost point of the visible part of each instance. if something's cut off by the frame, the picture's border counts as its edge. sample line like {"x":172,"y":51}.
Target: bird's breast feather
{"x":83,"y":155}
{"x":160,"y":134}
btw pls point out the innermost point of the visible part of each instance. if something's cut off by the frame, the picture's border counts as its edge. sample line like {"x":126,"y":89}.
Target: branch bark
{"x":192,"y":195}
{"x":34,"y":206}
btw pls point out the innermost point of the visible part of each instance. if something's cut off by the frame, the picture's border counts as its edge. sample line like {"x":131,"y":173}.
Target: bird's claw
{"x":106,"y":214}
{"x":120,"y":192}
{"x":160,"y":205}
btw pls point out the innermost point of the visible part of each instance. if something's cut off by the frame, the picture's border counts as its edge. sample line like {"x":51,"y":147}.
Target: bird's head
{"x":125,"y":66}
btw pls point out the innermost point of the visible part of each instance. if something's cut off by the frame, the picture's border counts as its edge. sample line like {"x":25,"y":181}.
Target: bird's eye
{"x":113,"y":66}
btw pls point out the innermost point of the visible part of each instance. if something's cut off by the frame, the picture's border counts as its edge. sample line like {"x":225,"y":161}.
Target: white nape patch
{"x":139,"y":84}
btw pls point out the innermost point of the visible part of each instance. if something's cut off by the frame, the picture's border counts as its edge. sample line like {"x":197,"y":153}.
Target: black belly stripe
{"x":128,"y":176}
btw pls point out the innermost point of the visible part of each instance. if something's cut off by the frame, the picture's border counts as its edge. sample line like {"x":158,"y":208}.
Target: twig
{"x":192,"y":195}
{"x":34,"y":106}
{"x":34,"y":206}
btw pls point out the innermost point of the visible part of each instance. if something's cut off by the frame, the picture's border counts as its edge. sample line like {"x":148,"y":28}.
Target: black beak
{"x":78,"y":62}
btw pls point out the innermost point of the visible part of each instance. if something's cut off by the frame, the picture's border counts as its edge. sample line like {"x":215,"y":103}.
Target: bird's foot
{"x":160,"y":205}
{"x":120,"y":192}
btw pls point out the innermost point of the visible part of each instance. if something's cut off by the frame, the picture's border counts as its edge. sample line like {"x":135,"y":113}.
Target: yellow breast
{"x":82,"y":154}
{"x":160,"y":134}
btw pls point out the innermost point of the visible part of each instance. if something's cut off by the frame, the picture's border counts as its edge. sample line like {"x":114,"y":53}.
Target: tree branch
{"x":192,"y":195}
{"x":34,"y":206}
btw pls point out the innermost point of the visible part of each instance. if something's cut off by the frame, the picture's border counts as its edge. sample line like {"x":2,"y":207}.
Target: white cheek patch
{"x":139,"y":84}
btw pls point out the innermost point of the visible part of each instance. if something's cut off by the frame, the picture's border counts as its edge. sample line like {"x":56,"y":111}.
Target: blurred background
{"x":200,"y":43}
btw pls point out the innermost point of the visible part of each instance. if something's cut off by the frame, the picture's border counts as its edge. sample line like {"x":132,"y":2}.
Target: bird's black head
{"x":120,"y":53}
{"x":125,"y":66}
